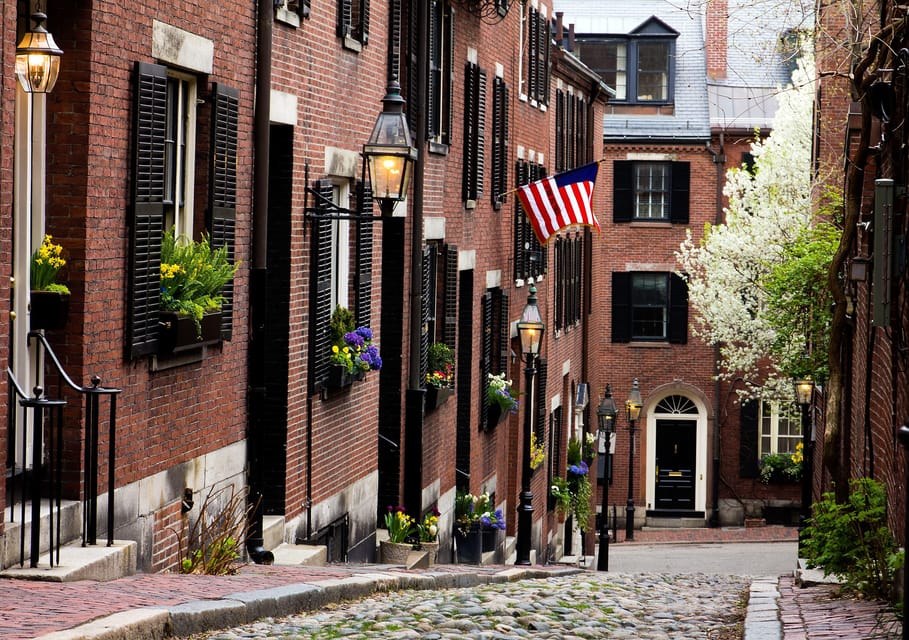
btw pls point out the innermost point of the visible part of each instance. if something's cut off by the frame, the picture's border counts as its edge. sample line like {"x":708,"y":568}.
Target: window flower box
{"x":437,"y":396}
{"x":48,"y":309}
{"x":340,"y":378}
{"x":179,"y":333}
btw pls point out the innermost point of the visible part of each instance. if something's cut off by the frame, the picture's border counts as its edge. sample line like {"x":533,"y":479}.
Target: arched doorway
{"x":676,"y":458}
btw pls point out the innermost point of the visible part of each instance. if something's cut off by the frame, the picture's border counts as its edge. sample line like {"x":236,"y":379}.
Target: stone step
{"x":300,"y":554}
{"x":99,"y":563}
{"x":674,"y":523}
{"x":70,"y":529}
{"x":272,"y":532}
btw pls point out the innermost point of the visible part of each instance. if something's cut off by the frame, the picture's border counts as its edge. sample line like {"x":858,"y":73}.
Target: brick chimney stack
{"x":717,"y":38}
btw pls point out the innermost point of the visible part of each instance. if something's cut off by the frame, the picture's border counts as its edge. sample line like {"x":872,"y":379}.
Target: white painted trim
{"x":283,"y":108}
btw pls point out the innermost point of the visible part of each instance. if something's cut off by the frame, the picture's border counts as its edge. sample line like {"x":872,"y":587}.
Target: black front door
{"x":675,"y":464}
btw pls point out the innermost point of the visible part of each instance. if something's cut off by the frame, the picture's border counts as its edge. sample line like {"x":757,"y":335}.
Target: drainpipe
{"x":719,"y":160}
{"x":258,"y":299}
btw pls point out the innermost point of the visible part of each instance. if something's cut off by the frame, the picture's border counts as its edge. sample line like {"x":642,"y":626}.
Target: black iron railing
{"x":47,"y":452}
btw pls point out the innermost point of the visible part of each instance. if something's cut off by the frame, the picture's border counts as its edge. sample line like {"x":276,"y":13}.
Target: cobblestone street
{"x":586,"y":605}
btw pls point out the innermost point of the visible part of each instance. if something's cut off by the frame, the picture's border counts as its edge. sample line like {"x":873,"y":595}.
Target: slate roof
{"x":745,"y":99}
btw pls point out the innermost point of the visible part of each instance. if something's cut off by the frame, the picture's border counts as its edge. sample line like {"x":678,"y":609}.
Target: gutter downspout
{"x":719,"y":160}
{"x":258,"y":298}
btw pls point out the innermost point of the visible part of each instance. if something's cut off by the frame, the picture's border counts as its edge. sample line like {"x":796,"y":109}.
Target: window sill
{"x":352,"y":45}
{"x":657,"y":224}
{"x":438,"y":148}
{"x":655,"y":344}
{"x":287,"y":17}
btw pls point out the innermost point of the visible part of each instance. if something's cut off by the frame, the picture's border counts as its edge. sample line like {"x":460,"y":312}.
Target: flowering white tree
{"x":734,"y":271}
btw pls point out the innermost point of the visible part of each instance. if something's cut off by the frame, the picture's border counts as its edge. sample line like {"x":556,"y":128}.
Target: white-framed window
{"x":780,"y":429}
{"x":651,"y":190}
{"x":340,"y":248}
{"x":179,"y":152}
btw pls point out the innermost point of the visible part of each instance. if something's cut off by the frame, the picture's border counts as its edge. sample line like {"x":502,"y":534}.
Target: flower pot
{"x":49,"y":310}
{"x":437,"y":396}
{"x":178,"y":333}
{"x":469,"y":546}
{"x":432,"y":548}
{"x":488,"y":536}
{"x":494,"y":415}
{"x":394,"y":552}
{"x":339,"y":378}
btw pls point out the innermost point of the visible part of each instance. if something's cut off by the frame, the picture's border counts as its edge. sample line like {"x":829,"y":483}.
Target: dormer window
{"x":640,"y":66}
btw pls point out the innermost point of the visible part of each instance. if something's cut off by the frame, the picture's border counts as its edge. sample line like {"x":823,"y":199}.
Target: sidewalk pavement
{"x":155,"y":606}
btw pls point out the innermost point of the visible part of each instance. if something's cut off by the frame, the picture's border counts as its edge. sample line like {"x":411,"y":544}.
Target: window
{"x":474,"y":134}
{"x":163,"y":186}
{"x":649,"y":306}
{"x":499,"y":177}
{"x":494,"y":344}
{"x":538,"y":41}
{"x":440,"y":291}
{"x":571,"y":148}
{"x":780,"y":431}
{"x":638,"y":66}
{"x":332,"y":251}
{"x":651,"y":191}
{"x":529,"y":254}
{"x":179,"y":153}
{"x":441,"y":70}
{"x":568,"y":259}
{"x":353,"y":23}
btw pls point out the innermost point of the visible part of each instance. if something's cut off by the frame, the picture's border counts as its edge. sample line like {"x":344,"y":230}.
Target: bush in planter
{"x":441,"y":365}
{"x":193,"y":275}
{"x":47,"y":260}
{"x":499,"y":393}
{"x":782,"y":466}
{"x":573,"y":492}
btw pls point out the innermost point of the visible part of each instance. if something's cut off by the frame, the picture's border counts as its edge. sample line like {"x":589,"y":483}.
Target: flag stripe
{"x":558,"y":201}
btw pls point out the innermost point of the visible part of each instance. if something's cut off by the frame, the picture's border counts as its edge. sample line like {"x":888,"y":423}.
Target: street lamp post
{"x":633,"y":411}
{"x":804,"y":390}
{"x":389,"y":152}
{"x":530,"y":329}
{"x":606,"y":414}
{"x":904,"y":440}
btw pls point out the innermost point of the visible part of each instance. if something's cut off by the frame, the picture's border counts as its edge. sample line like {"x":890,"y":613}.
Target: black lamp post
{"x":606,"y":415}
{"x":804,"y":390}
{"x":530,"y":329}
{"x":390,"y":154}
{"x":904,"y":440}
{"x":633,"y":411}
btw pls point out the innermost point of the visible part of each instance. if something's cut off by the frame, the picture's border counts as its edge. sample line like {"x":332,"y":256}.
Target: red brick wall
{"x":717,"y":38}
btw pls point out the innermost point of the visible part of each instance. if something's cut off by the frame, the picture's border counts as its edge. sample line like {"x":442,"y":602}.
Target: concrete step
{"x":674,"y":523}
{"x":100,"y":563}
{"x":15,"y":528}
{"x":300,"y":554}
{"x":272,"y":531}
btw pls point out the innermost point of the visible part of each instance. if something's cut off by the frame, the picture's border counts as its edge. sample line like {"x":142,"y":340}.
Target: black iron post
{"x":606,"y":414}
{"x":629,"y":505}
{"x":807,"y":474}
{"x":525,"y":507}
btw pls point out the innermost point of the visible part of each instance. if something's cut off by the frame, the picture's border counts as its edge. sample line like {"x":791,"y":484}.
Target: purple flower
{"x":364,"y":332}
{"x":584,"y":468}
{"x":573,"y":468}
{"x":485,"y":521}
{"x":354,"y":340}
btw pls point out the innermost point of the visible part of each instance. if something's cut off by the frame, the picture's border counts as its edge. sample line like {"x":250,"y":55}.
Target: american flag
{"x":559,"y":201}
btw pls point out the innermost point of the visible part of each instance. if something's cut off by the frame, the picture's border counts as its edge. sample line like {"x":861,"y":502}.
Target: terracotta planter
{"x":437,"y":396}
{"x":432,"y":548}
{"x":178,"y":333}
{"x":339,"y":378}
{"x":49,"y":310}
{"x":394,"y":552}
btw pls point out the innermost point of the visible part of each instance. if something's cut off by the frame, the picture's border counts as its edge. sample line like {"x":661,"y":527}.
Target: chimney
{"x":571,"y":37}
{"x":559,"y":33}
{"x":717,"y":38}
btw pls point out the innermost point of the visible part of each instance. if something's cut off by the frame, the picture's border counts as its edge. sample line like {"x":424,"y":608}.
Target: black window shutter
{"x":480,"y":150}
{"x":450,"y":297}
{"x":678,"y":309}
{"x":409,"y":60}
{"x":559,"y":282}
{"x":434,"y":88}
{"x":532,"y":62}
{"x":448,"y":83}
{"x":542,"y":373}
{"x":622,"y":191}
{"x":149,"y":128}
{"x":363,"y":276}
{"x":544,"y":35}
{"x":345,"y":17}
{"x":474,"y":131}
{"x":520,"y":225}
{"x":504,"y":339}
{"x":425,"y":311}
{"x":499,"y":181}
{"x":394,"y":36}
{"x":621,"y":306}
{"x":680,"y":180}
{"x":748,"y":444}
{"x":363,"y":26}
{"x":321,"y":266}
{"x":223,"y":187}
{"x":560,"y":131}
{"x":486,"y":309}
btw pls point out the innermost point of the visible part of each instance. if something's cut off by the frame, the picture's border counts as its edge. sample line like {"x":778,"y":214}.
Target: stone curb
{"x":762,"y":617}
{"x":236,"y":609}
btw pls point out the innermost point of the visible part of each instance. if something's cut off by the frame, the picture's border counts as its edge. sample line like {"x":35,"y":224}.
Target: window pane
{"x":653,"y":71}
{"x":649,"y":305}
{"x":651,"y":191}
{"x":610,"y":60}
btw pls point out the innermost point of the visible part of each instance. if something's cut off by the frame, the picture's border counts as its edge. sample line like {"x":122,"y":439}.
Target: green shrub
{"x":851,"y":540}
